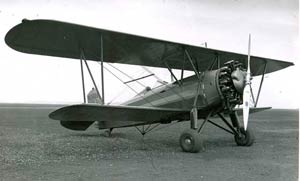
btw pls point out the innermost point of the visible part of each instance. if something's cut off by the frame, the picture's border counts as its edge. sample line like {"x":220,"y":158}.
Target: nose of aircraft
{"x":238,"y":78}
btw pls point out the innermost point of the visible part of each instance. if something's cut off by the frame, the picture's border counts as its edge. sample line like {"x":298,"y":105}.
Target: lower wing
{"x":80,"y":117}
{"x":114,"y":116}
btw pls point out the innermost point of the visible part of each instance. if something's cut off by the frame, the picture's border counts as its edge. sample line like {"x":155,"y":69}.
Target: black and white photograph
{"x":149,"y":90}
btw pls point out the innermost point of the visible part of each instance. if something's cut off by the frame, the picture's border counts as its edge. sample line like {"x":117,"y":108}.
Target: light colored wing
{"x":105,"y":113}
{"x":54,"y":38}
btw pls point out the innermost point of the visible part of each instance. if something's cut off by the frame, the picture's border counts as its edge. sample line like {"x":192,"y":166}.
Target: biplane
{"x":220,"y":82}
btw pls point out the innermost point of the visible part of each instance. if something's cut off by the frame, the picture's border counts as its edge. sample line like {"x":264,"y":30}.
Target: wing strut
{"x":191,"y":61}
{"x":82,"y":58}
{"x":171,"y":72}
{"x":252,"y":94}
{"x":82,"y":79}
{"x":194,"y":111}
{"x":261,"y":82}
{"x":216,"y":59}
{"x":214,"y":62}
{"x":182,"y":69}
{"x":102,"y":71}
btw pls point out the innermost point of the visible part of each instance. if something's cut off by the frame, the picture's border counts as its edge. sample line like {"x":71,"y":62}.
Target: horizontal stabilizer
{"x":106,"y":113}
{"x":252,"y":110}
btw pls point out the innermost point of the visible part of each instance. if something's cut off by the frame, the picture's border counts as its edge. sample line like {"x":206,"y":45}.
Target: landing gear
{"x":246,"y":138}
{"x":190,"y":141}
{"x":242,"y":137}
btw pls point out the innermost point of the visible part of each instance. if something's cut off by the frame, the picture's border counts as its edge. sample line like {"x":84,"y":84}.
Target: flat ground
{"x":33,"y":147}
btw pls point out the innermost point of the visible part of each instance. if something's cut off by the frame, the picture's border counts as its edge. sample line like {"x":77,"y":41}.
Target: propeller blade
{"x":246,"y":92}
{"x":246,"y":105}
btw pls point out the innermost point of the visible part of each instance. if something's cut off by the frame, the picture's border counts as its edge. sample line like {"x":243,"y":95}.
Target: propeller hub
{"x":239,"y":79}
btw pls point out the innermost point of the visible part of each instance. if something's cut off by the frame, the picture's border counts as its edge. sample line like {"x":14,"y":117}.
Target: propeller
{"x":246,"y":92}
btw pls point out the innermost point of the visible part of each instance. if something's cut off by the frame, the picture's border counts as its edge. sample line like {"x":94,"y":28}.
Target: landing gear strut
{"x":190,"y":140}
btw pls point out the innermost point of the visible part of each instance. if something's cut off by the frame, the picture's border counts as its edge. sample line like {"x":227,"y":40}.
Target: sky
{"x":223,"y":24}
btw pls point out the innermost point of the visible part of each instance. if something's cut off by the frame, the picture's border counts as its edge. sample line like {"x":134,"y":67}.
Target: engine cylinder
{"x":231,"y":80}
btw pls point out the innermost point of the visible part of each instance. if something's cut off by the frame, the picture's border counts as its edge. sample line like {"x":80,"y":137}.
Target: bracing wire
{"x":156,"y":93}
{"x":128,"y":86}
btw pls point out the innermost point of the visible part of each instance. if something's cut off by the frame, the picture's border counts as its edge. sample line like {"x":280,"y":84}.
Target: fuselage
{"x":210,"y":89}
{"x":182,"y":94}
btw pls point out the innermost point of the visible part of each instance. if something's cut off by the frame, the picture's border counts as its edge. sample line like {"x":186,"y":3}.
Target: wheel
{"x":246,"y":138}
{"x":190,"y":141}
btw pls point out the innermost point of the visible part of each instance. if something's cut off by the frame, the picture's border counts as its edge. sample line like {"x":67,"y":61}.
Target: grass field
{"x":33,"y":147}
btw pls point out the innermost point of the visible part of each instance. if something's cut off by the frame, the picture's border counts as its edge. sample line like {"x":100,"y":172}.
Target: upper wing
{"x":54,"y":38}
{"x":106,"y":113}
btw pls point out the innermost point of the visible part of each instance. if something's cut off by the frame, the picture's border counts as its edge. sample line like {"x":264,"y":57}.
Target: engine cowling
{"x":221,"y":87}
{"x":231,"y":80}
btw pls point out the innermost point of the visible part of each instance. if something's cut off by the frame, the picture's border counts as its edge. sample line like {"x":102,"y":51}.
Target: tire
{"x":190,"y":141}
{"x":246,"y":139}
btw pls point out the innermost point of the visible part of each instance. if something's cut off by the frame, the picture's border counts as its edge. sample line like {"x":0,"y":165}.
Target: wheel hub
{"x":188,"y":141}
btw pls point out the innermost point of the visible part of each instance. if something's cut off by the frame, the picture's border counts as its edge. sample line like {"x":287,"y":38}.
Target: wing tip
{"x":53,"y":115}
{"x":12,"y":34}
